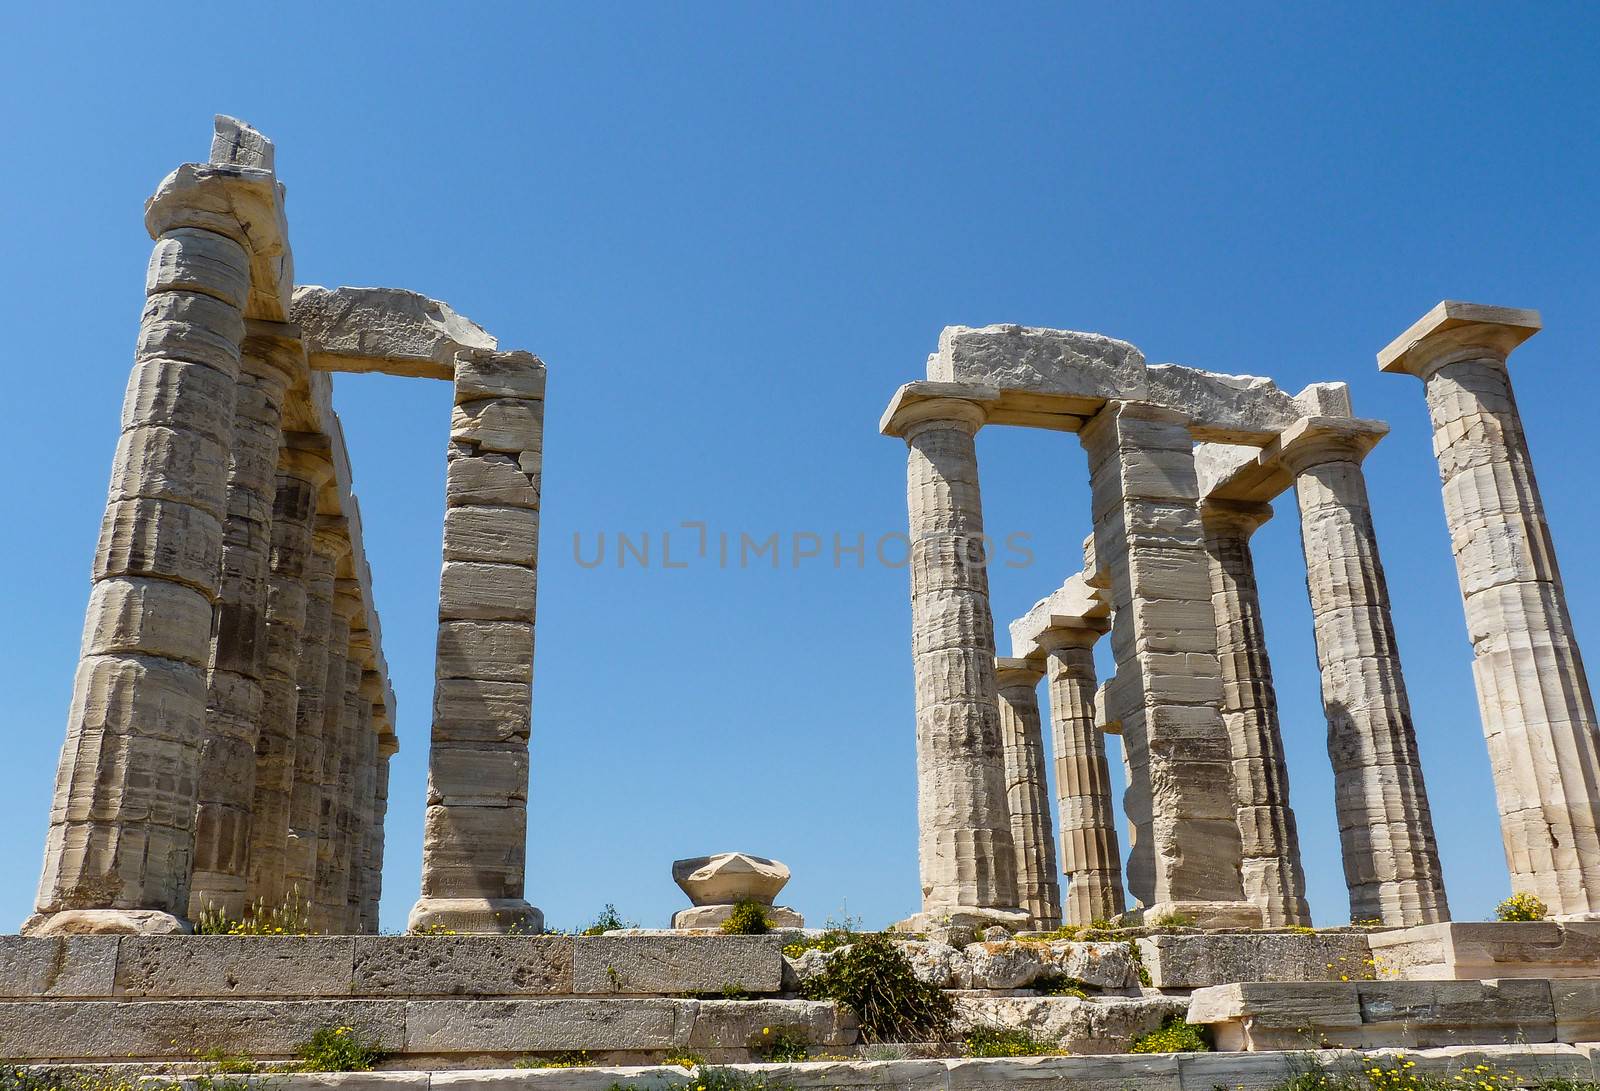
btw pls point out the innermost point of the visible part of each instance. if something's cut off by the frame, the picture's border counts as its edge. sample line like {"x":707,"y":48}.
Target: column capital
{"x":1011,"y":673}
{"x":1084,"y":634}
{"x":331,"y":535}
{"x":307,"y":455}
{"x":273,"y":350}
{"x":1311,"y":441}
{"x":918,"y":405}
{"x":1242,"y":518}
{"x":1455,"y":331}
{"x":348,"y":602}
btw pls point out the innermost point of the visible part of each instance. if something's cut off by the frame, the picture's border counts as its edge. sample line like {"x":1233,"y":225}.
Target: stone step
{"x":1478,"y":950}
{"x":1371,"y":1014}
{"x":1160,"y":1072}
{"x":418,"y":1033}
{"x":198,"y":967}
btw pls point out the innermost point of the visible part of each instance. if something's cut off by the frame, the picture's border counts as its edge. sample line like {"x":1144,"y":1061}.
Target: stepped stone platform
{"x":1157,"y":1072}
{"x":1371,"y":1014}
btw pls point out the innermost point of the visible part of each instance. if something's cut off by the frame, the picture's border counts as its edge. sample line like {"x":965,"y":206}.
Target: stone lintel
{"x":1073,"y":611}
{"x":911,"y":403}
{"x":1453,"y":326}
{"x":1232,"y":472}
{"x":387,"y":330}
{"x":245,"y":204}
{"x":1011,"y":671}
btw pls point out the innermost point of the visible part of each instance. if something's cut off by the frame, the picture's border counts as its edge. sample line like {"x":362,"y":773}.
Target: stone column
{"x":372,"y":885}
{"x":304,"y":466}
{"x":1027,"y":792}
{"x":1273,"y":878}
{"x":362,"y":836}
{"x":270,"y":357}
{"x":1168,"y":683}
{"x":1533,"y":694}
{"x":1089,"y":854}
{"x":120,"y":847}
{"x":339,"y":713}
{"x":967,"y":857}
{"x":475,"y":832}
{"x":357,"y":717}
{"x":1391,"y":860}
{"x":318,"y":645}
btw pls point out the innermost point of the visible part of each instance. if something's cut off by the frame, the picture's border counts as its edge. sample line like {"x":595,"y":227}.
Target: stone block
{"x":1373,"y":1014}
{"x":1107,"y":1025}
{"x":464,"y":776}
{"x":1083,"y":365}
{"x":1474,"y":950}
{"x":155,"y":697}
{"x":489,"y":651}
{"x":65,"y":966}
{"x":488,"y":479}
{"x":724,"y":1024}
{"x":1097,"y":965}
{"x":148,"y":537}
{"x":193,"y":328}
{"x":390,"y":330}
{"x":188,"y":259}
{"x":487,"y":592}
{"x":504,"y":425}
{"x":480,"y":375}
{"x":171,"y":464}
{"x":474,"y":852}
{"x":523,"y":1026}
{"x":170,"y":393}
{"x":462,"y":965}
{"x":729,"y":877}
{"x":712,"y":916}
{"x":115,"y":1030}
{"x":1195,"y":961}
{"x":1005,"y":964}
{"x":677,"y":964}
{"x":199,"y":967}
{"x":1147,"y":1073}
{"x":504,"y":535}
{"x":469,"y":711}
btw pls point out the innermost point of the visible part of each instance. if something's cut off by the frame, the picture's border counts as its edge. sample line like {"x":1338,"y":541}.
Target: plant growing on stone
{"x":1521,"y":907}
{"x":781,"y":1045}
{"x":1059,"y":985}
{"x":747,"y":919}
{"x":1176,"y":1035}
{"x":338,"y":1049}
{"x":1173,"y":920}
{"x":835,"y":933}
{"x":609,"y":920}
{"x":988,"y":1041}
{"x":290,"y":917}
{"x":875,"y":980}
{"x":569,"y":1058}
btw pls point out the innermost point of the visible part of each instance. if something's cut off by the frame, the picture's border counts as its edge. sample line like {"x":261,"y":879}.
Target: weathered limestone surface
{"x":1368,"y":1014}
{"x":730,"y":877}
{"x":389,"y":330}
{"x":304,"y":466}
{"x":321,"y":647}
{"x":1083,"y":1027}
{"x":966,"y":856}
{"x":1533,"y":694}
{"x":1195,"y":961}
{"x":122,"y":821}
{"x":478,"y":761}
{"x":1089,"y":854}
{"x":1391,"y":859}
{"x":270,"y":360}
{"x":1469,"y":951}
{"x":1269,"y":840}
{"x":1186,"y":846}
{"x":1027,"y":793}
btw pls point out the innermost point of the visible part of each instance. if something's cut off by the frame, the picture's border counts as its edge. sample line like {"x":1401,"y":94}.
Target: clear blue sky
{"x":731,"y":232}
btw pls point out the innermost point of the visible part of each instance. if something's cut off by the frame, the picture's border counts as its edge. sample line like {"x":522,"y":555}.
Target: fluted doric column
{"x":1391,"y":859}
{"x":966,"y":854}
{"x":1270,"y":841}
{"x":120,"y":847}
{"x":364,"y":805}
{"x":1168,"y":686}
{"x":339,"y":724}
{"x":475,"y":833}
{"x":372,"y":886}
{"x":321,"y":644}
{"x":1533,"y":693}
{"x":270,"y":358}
{"x":1027,"y":792}
{"x":304,"y":466}
{"x":1090,"y":857}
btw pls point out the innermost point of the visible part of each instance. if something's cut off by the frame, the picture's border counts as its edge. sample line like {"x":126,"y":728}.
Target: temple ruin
{"x":232,"y":721}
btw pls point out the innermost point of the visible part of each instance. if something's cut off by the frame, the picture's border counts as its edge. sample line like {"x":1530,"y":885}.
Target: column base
{"x":712,"y":916}
{"x":964,"y":917}
{"x":105,"y":922}
{"x":1198,"y":914}
{"x":480,"y":916}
